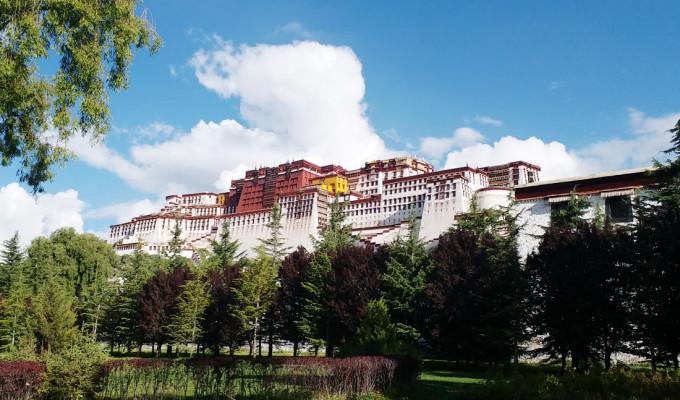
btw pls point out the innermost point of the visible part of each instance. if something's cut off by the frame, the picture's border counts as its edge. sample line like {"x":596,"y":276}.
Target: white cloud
{"x":392,"y":133}
{"x":435,"y":148}
{"x":173,"y":70}
{"x":127,"y":210}
{"x":302,"y":100}
{"x":294,"y":28}
{"x":154,"y":129}
{"x":556,"y":161}
{"x":488,"y":121}
{"x":554,"y":85}
{"x":39,"y":216}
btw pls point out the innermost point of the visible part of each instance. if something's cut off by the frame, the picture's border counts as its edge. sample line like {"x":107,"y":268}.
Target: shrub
{"x":611,"y":385}
{"x":290,"y":377}
{"x":20,"y":379}
{"x":75,"y":372}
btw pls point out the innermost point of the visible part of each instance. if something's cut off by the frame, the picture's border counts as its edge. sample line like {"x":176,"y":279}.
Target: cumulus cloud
{"x":301,"y":100}
{"x":488,"y":121}
{"x":435,"y":148}
{"x":649,"y":137}
{"x":40,"y":216}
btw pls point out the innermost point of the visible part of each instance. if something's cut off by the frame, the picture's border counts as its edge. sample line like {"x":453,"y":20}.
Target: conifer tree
{"x":573,"y":212}
{"x":377,"y":335}
{"x":56,"y":318}
{"x":225,"y":251}
{"x":176,"y":247}
{"x":185,"y":326}
{"x":657,"y":263}
{"x":404,"y":281}
{"x":315,"y":321}
{"x":254,"y":291}
{"x":10,"y":261}
{"x":14,"y":314}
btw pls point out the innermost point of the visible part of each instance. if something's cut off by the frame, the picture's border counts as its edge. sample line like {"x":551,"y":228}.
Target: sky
{"x":576,"y":87}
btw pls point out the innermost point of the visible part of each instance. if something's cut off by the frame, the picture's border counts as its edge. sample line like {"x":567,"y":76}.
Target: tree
{"x":224,"y":252}
{"x":56,"y":317}
{"x":176,"y":247}
{"x":11,"y":258}
{"x":476,"y":289}
{"x":464,"y":312}
{"x":185,"y":325}
{"x":580,"y":297}
{"x":353,"y":282}
{"x":254,"y":291}
{"x":335,"y":234}
{"x":315,"y":320}
{"x":15,"y":318}
{"x":657,"y":266}
{"x":95,"y":43}
{"x":404,"y":281}
{"x":376,"y":335}
{"x":290,"y":297}
{"x":572,"y":213}
{"x":158,"y":303}
{"x":220,"y":326}
{"x":273,"y":248}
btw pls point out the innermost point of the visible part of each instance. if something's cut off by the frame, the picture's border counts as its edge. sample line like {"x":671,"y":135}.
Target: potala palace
{"x":376,"y":198}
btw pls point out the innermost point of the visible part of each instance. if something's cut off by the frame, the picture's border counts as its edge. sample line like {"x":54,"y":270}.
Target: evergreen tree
{"x":273,"y":248}
{"x":185,"y":325}
{"x":572,"y":213}
{"x":137,"y":271}
{"x":657,"y":266}
{"x":55,"y":317}
{"x":10,"y":261}
{"x":254,"y":291}
{"x":335,"y":234}
{"x":176,"y":247}
{"x":377,"y":335}
{"x":224,"y":252}
{"x":14,"y":314}
{"x":315,"y":321}
{"x":404,"y":281}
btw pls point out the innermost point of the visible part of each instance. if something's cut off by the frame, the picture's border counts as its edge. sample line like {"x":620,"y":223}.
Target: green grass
{"x":439,"y":380}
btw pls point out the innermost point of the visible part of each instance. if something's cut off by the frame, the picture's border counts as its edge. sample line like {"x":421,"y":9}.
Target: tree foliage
{"x":580,"y":292}
{"x":225,"y":251}
{"x":94,"y":42}
{"x":404,"y":280}
{"x":290,"y":299}
{"x":186,"y":325}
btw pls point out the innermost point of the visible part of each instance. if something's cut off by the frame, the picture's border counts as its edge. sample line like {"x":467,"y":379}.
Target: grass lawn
{"x":439,"y":380}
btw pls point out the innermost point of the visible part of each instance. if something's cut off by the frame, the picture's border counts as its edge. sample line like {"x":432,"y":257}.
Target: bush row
{"x":225,"y":377}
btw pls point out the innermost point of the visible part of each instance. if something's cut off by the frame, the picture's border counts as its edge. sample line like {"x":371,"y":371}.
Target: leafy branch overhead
{"x":94,"y":42}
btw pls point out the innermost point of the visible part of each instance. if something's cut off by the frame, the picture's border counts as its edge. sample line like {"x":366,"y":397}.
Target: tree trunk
{"x":295,"y":348}
{"x":271,"y":340}
{"x":255,"y":333}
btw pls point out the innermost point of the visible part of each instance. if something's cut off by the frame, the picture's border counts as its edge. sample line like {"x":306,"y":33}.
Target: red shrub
{"x":20,"y":379}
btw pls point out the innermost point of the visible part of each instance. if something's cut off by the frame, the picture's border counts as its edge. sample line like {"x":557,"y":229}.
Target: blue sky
{"x":579,"y":87}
